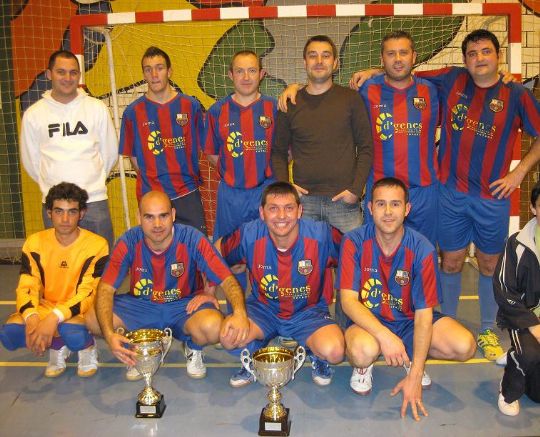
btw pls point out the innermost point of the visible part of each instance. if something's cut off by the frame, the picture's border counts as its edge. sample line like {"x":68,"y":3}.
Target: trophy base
{"x":151,"y":411}
{"x":275,"y":427}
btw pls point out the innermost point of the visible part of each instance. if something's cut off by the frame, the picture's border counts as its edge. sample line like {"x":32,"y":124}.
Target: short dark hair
{"x":279,"y":189}
{"x":66,"y":191}
{"x":61,"y":54}
{"x":152,"y":52}
{"x":245,"y":53}
{"x":398,"y":34}
{"x":321,"y":38}
{"x":535,"y":193}
{"x":477,"y":35}
{"x":391,"y":182}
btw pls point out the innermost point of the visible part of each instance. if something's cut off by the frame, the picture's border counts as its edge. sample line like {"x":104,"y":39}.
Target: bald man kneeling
{"x":166,"y":262}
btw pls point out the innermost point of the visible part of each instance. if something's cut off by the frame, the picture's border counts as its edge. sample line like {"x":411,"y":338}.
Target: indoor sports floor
{"x":461,"y":402}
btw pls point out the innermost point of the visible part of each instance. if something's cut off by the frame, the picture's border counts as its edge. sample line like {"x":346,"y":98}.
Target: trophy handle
{"x":166,"y":342}
{"x":299,"y":358}
{"x":247,"y":362}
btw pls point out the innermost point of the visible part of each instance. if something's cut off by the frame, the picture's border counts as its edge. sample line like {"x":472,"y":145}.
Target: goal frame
{"x":512,"y":11}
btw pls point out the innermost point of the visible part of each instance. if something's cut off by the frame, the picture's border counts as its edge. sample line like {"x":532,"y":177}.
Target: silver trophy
{"x":151,"y":346}
{"x":274,"y":367}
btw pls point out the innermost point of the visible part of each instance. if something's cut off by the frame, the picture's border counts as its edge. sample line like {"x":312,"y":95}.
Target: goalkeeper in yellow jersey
{"x":60,"y":270}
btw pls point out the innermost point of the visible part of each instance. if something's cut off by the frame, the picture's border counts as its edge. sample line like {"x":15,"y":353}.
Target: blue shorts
{"x":189,"y":210}
{"x":464,"y":219}
{"x":137,"y":313}
{"x":300,"y":326}
{"x":236,"y":206}
{"x":424,"y":206}
{"x":404,"y":330}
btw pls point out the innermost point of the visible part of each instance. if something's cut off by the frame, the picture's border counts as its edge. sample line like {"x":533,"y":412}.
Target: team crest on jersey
{"x":305,"y":267}
{"x":182,"y":119}
{"x":64,"y":265}
{"x":265,"y":121}
{"x":402,"y":277}
{"x":419,"y":103}
{"x":496,"y":105}
{"x":177,"y":269}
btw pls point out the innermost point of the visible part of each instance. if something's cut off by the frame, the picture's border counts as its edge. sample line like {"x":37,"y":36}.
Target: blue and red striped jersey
{"x":292,"y":280}
{"x":165,"y":139}
{"x":394,"y":286}
{"x":479,"y":128}
{"x":404,"y":123}
{"x":170,"y":275}
{"x":242,"y":138}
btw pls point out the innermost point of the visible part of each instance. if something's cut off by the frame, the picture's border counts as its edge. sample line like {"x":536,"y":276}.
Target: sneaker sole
{"x":361,"y":393}
{"x":197,"y":375}
{"x":86,"y":373}
{"x":426,"y":387}
{"x":54,"y":374}
{"x":322,"y":383}
{"x":240,"y":384}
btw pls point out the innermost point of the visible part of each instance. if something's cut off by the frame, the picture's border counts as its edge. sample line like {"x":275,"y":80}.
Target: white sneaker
{"x":362,"y":380}
{"x":88,"y":362}
{"x":426,"y":379}
{"x":511,"y":409}
{"x":194,"y":362}
{"x":501,"y":360}
{"x":132,"y":374}
{"x":57,"y":362}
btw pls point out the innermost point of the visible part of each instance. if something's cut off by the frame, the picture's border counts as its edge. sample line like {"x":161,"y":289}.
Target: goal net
{"x":201,"y":37}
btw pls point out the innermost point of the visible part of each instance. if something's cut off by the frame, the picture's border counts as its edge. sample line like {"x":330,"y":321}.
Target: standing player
{"x":403,"y":111}
{"x":328,"y":135}
{"x":389,"y":284}
{"x":161,"y":133}
{"x":165,"y":262}
{"x":60,"y":270}
{"x":290,"y":261}
{"x":517,"y":291}
{"x":238,"y":140}
{"x":481,"y":118}
{"x":327,"y":132}
{"x":69,"y":136}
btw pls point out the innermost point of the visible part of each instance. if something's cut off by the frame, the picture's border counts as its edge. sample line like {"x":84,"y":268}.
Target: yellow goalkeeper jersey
{"x":64,"y":276}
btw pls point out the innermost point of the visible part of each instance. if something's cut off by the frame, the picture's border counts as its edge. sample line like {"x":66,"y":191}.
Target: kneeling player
{"x":165,"y":261}
{"x":60,"y":270}
{"x":290,"y":261}
{"x":389,"y":285}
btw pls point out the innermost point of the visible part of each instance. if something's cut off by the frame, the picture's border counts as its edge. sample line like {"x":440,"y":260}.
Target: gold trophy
{"x":151,"y":346}
{"x":274,"y":367}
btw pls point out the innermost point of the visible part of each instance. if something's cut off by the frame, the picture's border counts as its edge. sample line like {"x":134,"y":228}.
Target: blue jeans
{"x":97,"y":220}
{"x":343,"y":216}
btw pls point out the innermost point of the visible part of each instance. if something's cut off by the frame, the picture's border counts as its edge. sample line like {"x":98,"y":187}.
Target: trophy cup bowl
{"x":151,"y":346}
{"x":274,"y":367}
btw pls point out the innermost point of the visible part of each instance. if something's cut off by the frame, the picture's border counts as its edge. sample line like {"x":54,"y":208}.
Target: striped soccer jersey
{"x":403,"y":123}
{"x":479,"y":128}
{"x":165,"y":140}
{"x":394,"y":286}
{"x":288,"y":281}
{"x":242,"y":138}
{"x":170,"y":275}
